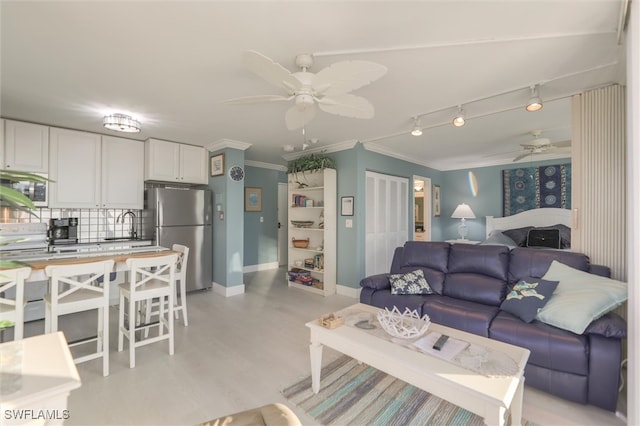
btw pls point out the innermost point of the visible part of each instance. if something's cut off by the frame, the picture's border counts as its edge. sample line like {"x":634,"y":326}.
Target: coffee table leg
{"x":516,"y":404}
{"x":315,"y":351}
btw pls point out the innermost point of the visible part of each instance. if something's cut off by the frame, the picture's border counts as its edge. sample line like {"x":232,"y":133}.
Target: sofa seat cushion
{"x":550,"y":347}
{"x":431,"y":257}
{"x":532,"y":262}
{"x":461,"y":314}
{"x":477,"y":273}
{"x":384,"y":299}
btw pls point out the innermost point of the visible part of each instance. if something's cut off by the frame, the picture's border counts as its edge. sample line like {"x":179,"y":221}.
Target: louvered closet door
{"x":386,"y":220}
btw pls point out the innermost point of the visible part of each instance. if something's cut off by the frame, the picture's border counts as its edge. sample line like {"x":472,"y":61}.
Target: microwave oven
{"x":35,"y":191}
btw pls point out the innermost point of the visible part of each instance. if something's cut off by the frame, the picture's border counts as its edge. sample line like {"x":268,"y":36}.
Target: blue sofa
{"x":470,"y":282}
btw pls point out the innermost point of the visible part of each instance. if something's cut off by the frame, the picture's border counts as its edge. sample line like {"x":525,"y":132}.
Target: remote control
{"x":440,"y":342}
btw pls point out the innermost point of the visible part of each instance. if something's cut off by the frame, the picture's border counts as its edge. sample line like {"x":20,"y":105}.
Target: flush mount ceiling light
{"x":417,"y":130}
{"x":121,"y":123}
{"x":535,"y":103}
{"x":458,"y":120}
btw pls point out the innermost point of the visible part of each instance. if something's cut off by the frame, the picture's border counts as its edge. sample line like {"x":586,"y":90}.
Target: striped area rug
{"x":356,"y":394}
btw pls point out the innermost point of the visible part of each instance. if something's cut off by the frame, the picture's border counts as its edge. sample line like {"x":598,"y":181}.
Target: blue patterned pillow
{"x":527,"y":297}
{"x":412,"y":282}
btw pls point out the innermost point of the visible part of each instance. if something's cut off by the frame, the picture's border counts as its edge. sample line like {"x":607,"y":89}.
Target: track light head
{"x":535,"y":103}
{"x":417,"y":130}
{"x":458,"y":120}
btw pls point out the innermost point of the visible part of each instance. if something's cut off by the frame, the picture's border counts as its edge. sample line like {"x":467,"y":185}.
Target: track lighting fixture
{"x":417,"y":130}
{"x":458,"y":120}
{"x":535,"y":103}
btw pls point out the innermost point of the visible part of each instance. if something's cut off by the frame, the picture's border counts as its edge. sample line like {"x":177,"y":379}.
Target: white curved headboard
{"x":535,"y":217}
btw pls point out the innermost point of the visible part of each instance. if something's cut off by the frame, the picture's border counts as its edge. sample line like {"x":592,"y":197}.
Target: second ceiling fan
{"x":328,"y":89}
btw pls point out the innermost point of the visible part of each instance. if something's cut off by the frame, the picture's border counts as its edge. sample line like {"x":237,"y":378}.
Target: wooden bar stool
{"x":77,"y":288}
{"x":149,"y":278}
{"x":12,"y":309}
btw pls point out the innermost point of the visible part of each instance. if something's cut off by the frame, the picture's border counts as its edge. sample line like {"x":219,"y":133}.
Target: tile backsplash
{"x":93,"y":224}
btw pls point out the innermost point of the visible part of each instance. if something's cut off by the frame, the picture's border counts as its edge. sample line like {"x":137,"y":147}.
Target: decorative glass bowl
{"x":407,"y":325}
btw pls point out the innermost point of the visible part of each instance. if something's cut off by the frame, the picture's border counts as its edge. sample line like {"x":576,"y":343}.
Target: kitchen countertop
{"x":119,"y":251}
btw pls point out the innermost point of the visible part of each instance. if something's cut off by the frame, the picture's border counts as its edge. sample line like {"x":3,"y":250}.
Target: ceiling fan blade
{"x":562,"y":144}
{"x":296,"y":118}
{"x":269,"y":70}
{"x":343,"y":77}
{"x":347,"y":106}
{"x":521,"y":156}
{"x":257,"y":99}
{"x":560,"y":150}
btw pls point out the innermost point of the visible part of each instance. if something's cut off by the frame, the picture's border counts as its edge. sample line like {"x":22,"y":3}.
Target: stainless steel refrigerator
{"x":183,"y":216}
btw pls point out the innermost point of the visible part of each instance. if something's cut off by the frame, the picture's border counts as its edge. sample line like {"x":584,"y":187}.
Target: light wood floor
{"x":237,"y":353}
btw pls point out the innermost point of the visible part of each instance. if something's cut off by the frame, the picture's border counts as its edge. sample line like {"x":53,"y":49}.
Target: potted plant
{"x":309,"y":163}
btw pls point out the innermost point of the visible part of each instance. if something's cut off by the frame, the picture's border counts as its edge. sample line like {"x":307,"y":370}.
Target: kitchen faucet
{"x":132,"y":230}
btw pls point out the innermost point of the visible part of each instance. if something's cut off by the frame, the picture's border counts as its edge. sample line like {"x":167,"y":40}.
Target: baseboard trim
{"x":260,"y":267}
{"x":228,"y":291}
{"x":344,"y":290}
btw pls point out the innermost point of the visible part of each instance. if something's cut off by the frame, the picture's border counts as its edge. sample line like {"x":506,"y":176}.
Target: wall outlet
{"x":348,"y":223}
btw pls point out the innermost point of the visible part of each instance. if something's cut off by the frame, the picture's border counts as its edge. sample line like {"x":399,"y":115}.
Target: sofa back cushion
{"x":532,"y":262}
{"x":477,"y":273}
{"x":429,"y":256}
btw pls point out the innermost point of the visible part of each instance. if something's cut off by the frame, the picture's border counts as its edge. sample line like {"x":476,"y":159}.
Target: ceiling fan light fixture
{"x":417,"y":130}
{"x":535,"y":103}
{"x":458,"y":120}
{"x":121,"y":123}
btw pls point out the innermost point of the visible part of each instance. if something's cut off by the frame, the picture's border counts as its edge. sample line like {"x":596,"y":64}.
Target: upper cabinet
{"x":175,"y":162}
{"x":122,"y":173}
{"x":26,"y":147}
{"x":93,"y":171}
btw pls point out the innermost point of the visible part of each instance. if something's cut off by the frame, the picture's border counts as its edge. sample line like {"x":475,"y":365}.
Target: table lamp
{"x":462,"y":212}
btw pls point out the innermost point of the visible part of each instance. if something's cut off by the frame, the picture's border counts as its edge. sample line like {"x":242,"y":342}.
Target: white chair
{"x":12,"y":309}
{"x":149,"y":278}
{"x":181,"y":277}
{"x":77,"y":288}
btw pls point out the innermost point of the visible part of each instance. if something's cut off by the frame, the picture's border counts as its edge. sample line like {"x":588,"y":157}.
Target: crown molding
{"x":228,"y":143}
{"x":326,"y":149}
{"x":263,"y":165}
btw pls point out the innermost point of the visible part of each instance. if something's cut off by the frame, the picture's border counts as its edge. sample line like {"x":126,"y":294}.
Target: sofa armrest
{"x":609,"y":325}
{"x":377,"y":282}
{"x":603,"y":271}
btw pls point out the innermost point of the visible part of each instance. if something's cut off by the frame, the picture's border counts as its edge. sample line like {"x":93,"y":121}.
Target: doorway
{"x":282,"y":223}
{"x":422,"y":208}
{"x":387,"y":220}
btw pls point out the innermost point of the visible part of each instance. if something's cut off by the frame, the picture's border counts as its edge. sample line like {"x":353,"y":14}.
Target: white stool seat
{"x":12,"y":309}
{"x":77,"y":288}
{"x":149,"y":278}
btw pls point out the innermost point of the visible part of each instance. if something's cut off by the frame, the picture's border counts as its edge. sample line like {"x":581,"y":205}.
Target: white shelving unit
{"x":314,"y":203}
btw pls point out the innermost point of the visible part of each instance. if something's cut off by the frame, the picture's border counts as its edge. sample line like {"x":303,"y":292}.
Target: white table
{"x":461,"y":241}
{"x":488,"y":397}
{"x":45,"y":374}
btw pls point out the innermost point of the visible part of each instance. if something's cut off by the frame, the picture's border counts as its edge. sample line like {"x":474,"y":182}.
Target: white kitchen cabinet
{"x":74,"y":168}
{"x":312,"y":218}
{"x":93,"y":171}
{"x":175,"y":162}
{"x":122,"y":173}
{"x":26,"y":147}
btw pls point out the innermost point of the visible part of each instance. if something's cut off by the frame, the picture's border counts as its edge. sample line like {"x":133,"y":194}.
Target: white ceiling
{"x":171,"y":63}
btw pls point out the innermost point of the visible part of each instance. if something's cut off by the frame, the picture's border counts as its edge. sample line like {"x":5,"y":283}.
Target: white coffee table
{"x":488,"y":397}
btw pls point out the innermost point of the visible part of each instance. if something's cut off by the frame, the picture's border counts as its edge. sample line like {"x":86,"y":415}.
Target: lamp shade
{"x":463,"y":211}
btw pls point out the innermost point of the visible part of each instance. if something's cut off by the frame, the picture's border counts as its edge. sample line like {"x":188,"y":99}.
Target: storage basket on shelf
{"x":300,"y":243}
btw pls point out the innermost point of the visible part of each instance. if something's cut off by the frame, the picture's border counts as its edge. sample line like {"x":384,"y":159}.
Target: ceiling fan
{"x":328,"y":89}
{"x":539,"y":145}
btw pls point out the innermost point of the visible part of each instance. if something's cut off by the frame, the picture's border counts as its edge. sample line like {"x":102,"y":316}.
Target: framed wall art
{"x":253,"y":199}
{"x":346,"y":207}
{"x":436,"y":200}
{"x":217,"y":165}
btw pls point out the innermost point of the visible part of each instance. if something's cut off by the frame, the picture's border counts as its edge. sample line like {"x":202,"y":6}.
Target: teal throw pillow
{"x":412,"y":282}
{"x":580,"y":298}
{"x":527,"y":297}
